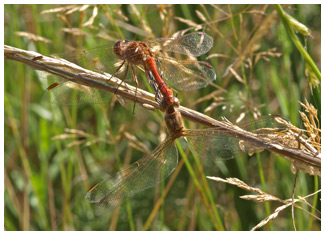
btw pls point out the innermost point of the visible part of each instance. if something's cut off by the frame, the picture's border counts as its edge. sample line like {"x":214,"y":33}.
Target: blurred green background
{"x":46,"y":179}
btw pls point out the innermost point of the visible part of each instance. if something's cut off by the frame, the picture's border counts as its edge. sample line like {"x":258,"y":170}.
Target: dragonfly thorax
{"x":174,"y":120}
{"x":134,"y":52}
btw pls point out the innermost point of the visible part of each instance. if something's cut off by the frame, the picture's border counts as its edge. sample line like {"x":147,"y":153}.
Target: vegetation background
{"x":46,"y":179}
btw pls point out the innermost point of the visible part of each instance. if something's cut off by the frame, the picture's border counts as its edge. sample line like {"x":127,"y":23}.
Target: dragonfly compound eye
{"x":176,"y":102}
{"x":118,"y":48}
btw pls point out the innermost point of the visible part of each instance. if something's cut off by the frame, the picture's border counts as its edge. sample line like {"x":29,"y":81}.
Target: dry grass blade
{"x":281,"y":208}
{"x":33,"y":37}
{"x":311,"y":124}
{"x":92,"y":18}
{"x":67,"y":9}
{"x":310,"y":142}
{"x":270,"y":217}
{"x":75,"y":31}
{"x":265,"y":197}
{"x":120,"y":14}
{"x":266,"y":54}
{"x":260,"y":198}
{"x":236,"y":75}
{"x":84,"y":137}
{"x":200,"y":15}
{"x":189,"y":22}
{"x":238,"y":183}
{"x":59,"y":9}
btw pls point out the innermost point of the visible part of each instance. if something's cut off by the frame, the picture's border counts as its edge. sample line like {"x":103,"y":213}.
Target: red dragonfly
{"x":151,"y":57}
{"x":212,"y":143}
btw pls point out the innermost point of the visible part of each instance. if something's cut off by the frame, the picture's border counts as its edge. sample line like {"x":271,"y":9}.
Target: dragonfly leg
{"x":118,"y":69}
{"x":176,"y":93}
{"x":124,"y":77}
{"x":135,"y":79}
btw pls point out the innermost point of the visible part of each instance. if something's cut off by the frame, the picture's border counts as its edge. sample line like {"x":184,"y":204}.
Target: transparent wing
{"x":186,"y":75}
{"x":192,"y":44}
{"x":145,"y":173}
{"x":217,"y":144}
{"x":70,"y":93}
{"x":100,"y":59}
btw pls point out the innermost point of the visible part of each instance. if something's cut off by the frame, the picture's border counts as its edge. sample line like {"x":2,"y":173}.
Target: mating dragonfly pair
{"x":158,"y":67}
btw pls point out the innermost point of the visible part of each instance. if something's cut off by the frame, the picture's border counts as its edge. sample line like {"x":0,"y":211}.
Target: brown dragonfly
{"x":213,"y":143}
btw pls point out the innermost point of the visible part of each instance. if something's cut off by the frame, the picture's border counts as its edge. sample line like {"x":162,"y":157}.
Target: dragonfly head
{"x":119,"y":48}
{"x":176,"y":102}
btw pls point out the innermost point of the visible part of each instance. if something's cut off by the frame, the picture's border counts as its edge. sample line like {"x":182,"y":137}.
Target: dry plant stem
{"x":74,"y":73}
{"x":293,"y":202}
